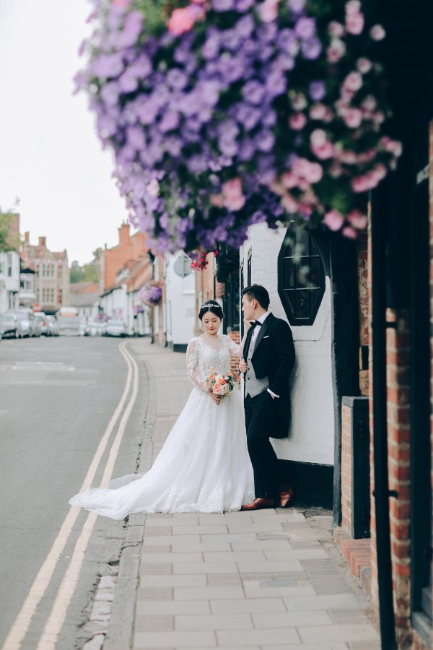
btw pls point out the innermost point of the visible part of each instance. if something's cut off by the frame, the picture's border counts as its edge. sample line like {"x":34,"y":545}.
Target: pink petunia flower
{"x":233,"y":195}
{"x":318,"y":112}
{"x":392,"y":146}
{"x":181,"y":20}
{"x":369,"y":103}
{"x":353,"y":82}
{"x":377,"y":33}
{"x":318,"y":137}
{"x":289,"y":180}
{"x":357,"y":219}
{"x":333,"y":220}
{"x":297,"y":121}
{"x":324,"y":152}
{"x":378,"y":117}
{"x":353,"y":7}
{"x":347,"y":157}
{"x":310,"y":171}
{"x":352,"y":118}
{"x":268,"y":10}
{"x":364,"y":65}
{"x":354,"y":23}
{"x":336,"y":50}
{"x":349,"y":232}
{"x":335,"y":29}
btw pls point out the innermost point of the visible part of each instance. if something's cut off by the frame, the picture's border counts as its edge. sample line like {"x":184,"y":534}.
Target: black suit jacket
{"x":274,"y":357}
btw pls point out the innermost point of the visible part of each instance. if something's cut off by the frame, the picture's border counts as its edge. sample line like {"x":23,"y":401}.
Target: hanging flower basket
{"x":150,"y":295}
{"x":199,"y":261}
{"x":227,"y":113}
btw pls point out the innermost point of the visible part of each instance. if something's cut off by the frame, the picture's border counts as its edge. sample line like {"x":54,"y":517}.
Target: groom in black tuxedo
{"x":267,"y":361}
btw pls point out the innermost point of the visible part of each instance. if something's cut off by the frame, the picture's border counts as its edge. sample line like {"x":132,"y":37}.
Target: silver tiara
{"x":210,"y":304}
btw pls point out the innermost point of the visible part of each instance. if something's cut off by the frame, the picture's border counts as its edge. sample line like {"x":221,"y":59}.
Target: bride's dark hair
{"x":213,"y":306}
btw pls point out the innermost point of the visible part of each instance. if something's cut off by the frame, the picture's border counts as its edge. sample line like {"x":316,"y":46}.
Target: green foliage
{"x":76,"y":274}
{"x":7,"y":243}
{"x":90,"y":273}
{"x":86,"y":273}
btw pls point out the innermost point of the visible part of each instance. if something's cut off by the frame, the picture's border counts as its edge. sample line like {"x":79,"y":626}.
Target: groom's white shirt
{"x":261,"y":320}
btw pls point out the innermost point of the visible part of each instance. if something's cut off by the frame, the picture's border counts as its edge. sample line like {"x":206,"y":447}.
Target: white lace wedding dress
{"x":204,"y":464}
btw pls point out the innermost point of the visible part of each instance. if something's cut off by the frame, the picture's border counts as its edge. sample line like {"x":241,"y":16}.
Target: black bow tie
{"x":256,"y":322}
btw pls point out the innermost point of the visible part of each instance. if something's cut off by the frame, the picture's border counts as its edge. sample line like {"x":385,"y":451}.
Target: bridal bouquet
{"x":222,"y":385}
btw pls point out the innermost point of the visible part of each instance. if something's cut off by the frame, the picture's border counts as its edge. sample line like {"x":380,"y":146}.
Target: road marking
{"x":68,"y":585}
{"x":43,"y":578}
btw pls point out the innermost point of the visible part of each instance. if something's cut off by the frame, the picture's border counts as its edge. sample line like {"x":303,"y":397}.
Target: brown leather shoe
{"x":286,"y":495}
{"x":259,"y":504}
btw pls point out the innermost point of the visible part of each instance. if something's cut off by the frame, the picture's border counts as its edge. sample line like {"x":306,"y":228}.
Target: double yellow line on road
{"x":67,"y":587}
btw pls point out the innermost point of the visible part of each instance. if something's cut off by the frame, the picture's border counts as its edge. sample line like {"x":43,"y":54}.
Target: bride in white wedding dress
{"x":204,"y":464}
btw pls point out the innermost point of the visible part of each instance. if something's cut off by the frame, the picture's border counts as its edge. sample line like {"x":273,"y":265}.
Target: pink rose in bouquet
{"x":222,"y":385}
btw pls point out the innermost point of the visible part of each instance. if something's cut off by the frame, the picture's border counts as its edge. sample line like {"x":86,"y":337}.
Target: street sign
{"x":182,"y":266}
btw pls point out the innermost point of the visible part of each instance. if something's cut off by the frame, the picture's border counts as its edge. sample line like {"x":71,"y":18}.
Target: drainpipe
{"x":380,"y":208}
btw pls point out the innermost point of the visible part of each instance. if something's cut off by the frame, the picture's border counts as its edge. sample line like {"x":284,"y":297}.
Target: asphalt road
{"x":57,"y":397}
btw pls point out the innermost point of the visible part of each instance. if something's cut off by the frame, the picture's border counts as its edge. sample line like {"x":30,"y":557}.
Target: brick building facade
{"x":51,"y":274}
{"x":392,"y":556}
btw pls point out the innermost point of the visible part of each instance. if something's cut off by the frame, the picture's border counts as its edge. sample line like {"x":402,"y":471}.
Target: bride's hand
{"x":216,"y":398}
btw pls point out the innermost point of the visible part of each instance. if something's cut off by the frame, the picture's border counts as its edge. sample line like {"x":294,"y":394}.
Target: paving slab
{"x":260,"y":637}
{"x":262,"y":580}
{"x":338,"y":633}
{"x":247,"y":606}
{"x":214,"y":622}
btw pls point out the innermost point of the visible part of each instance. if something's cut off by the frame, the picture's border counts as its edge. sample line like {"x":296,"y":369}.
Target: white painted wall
{"x":9,"y":280}
{"x":311,"y":438}
{"x":179,"y":304}
{"x":115,"y":304}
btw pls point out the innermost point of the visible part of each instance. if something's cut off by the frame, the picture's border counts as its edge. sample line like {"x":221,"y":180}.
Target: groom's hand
{"x":243,"y":366}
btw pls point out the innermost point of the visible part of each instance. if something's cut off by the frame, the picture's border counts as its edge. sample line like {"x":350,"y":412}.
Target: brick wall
{"x":346,"y":467}
{"x":397,"y":360}
{"x":397,"y":344}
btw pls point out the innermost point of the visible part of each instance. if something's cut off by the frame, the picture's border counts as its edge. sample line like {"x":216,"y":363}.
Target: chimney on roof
{"x":27,"y":237}
{"x":124,"y":233}
{"x":43,"y":242}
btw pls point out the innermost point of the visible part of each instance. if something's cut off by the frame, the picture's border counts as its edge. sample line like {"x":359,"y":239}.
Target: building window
{"x":301,"y":277}
{"x":249,"y":263}
{"x":231,"y":302}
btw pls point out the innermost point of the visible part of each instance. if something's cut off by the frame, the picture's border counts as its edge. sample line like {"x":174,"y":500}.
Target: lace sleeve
{"x":236,"y":348}
{"x":192,"y":363}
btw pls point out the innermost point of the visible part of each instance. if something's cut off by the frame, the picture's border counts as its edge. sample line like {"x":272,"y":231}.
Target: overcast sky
{"x":50,"y":156}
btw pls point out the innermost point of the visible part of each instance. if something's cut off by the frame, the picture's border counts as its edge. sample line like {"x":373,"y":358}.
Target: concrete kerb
{"x":121,"y":624}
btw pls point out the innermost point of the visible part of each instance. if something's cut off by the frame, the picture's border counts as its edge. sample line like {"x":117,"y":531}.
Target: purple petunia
{"x":317,"y":90}
{"x":305,"y":28}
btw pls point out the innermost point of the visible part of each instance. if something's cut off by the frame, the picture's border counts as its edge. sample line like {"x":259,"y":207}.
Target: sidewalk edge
{"x":121,"y":625}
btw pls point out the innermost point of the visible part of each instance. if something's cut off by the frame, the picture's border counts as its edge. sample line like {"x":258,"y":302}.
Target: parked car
{"x":41,"y":317}
{"x":24,"y":316}
{"x":115,"y":328}
{"x":52,"y":326}
{"x":96,"y":329}
{"x":35,"y":326}
{"x":10,"y":326}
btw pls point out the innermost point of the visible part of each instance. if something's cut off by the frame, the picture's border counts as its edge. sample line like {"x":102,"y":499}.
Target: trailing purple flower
{"x":228,"y":113}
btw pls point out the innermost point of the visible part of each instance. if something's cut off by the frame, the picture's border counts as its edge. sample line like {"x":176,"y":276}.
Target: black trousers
{"x":259,"y":415}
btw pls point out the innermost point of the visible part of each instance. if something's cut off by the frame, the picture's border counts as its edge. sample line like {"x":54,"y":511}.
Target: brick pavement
{"x":244,"y":581}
